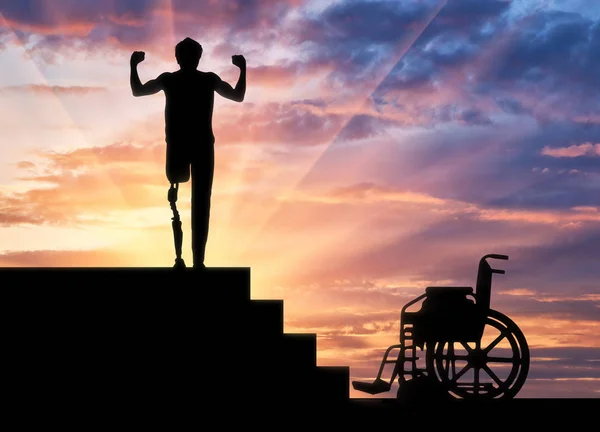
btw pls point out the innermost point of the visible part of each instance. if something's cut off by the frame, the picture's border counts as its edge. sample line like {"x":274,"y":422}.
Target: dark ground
{"x":152,"y":348}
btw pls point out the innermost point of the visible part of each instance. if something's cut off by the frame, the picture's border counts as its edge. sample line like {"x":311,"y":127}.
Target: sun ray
{"x":167,"y":15}
{"x":494,"y":50}
{"x":371,"y":88}
{"x":60,"y":106}
{"x":374,"y":85}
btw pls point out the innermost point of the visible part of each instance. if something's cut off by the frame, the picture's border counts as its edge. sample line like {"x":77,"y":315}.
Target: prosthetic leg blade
{"x":177,"y":231}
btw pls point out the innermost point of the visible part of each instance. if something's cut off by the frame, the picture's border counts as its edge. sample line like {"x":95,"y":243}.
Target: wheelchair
{"x":455,"y":346}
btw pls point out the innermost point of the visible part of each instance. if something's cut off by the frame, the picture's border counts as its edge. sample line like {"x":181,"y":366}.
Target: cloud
{"x":285,"y":76}
{"x":25,"y":165}
{"x":363,"y":193}
{"x":585,"y":149}
{"x":547,"y":66}
{"x":55,"y":258}
{"x":121,"y":176}
{"x":453,"y":236}
{"x":495,"y":63}
{"x":448,"y":70}
{"x":571,"y":217}
{"x":133,"y":23}
{"x":43,"y":89}
{"x":343,"y":34}
{"x":71,"y":17}
{"x":442,"y":78}
{"x":280,"y":123}
{"x":501,"y":167}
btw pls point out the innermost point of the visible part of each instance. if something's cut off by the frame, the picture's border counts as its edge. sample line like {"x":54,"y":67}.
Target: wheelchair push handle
{"x":495,"y":256}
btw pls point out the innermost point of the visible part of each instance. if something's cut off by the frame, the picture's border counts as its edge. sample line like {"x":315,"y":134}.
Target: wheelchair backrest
{"x":483,"y":291}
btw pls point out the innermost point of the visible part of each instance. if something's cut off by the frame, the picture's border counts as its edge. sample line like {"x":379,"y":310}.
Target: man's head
{"x":188,"y":53}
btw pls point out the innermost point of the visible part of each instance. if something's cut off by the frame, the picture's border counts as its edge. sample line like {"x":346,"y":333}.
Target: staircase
{"x":151,"y":343}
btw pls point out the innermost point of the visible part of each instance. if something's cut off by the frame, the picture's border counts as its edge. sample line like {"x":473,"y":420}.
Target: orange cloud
{"x":94,"y":185}
{"x":54,"y":258}
{"x":273,"y":76}
{"x":118,"y":153}
{"x":368,"y":192}
{"x":42,"y":89}
{"x":372,"y":192}
{"x":74,"y":28}
{"x":566,"y":218}
{"x":25,"y":165}
{"x":585,"y":149}
{"x":84,"y":182}
{"x":545,"y":331}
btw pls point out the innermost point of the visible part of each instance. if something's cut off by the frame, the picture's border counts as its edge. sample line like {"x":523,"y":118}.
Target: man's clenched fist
{"x":137,"y":57}
{"x":239,"y":61}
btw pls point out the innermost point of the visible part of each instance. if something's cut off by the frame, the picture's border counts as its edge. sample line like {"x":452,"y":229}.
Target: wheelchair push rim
{"x":494,"y":367}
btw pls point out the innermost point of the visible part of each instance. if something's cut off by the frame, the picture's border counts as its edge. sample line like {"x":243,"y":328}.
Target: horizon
{"x":382,"y":147}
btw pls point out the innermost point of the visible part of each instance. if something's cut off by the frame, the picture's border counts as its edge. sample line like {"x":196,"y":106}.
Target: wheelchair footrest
{"x":375,"y":387}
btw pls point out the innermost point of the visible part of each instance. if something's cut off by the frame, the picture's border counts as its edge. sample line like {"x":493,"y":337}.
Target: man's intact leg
{"x":202,"y":179}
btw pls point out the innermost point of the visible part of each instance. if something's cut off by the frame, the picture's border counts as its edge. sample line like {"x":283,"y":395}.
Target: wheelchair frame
{"x":449,"y":327}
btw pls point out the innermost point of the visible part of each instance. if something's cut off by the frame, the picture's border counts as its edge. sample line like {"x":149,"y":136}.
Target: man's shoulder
{"x":213,"y":77}
{"x":164,"y":78}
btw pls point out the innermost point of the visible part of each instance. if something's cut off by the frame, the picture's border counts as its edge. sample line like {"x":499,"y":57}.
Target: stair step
{"x":299,"y":349}
{"x":334,"y":382}
{"x":288,"y":353}
{"x":262,"y":318}
{"x":129,"y":285}
{"x":324,"y":389}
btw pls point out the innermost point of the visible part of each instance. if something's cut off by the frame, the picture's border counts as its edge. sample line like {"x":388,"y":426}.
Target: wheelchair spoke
{"x":495,"y":342}
{"x":461,"y":373}
{"x":467,"y":347}
{"x":492,"y":375}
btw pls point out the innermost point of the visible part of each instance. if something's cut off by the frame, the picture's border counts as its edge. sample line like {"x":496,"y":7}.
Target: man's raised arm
{"x":137,"y":88}
{"x":238,"y":93}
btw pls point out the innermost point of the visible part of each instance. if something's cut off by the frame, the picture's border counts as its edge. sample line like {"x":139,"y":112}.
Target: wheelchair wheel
{"x":493,"y":368}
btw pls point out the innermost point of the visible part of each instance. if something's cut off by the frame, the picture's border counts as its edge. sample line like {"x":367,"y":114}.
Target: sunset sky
{"x":383,"y":147}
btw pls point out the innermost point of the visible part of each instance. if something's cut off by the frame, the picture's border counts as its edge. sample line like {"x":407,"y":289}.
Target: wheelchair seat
{"x":453,"y":291}
{"x":447,"y":299}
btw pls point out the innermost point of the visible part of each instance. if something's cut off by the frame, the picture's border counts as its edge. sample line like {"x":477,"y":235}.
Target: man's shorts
{"x":182,"y":152}
{"x":178,"y":162}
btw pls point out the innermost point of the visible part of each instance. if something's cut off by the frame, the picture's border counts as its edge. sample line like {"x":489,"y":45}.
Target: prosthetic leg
{"x":177,"y":231}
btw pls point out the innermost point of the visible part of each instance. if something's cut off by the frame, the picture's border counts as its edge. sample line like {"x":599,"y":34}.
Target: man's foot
{"x":179,"y":264}
{"x":200,"y":266}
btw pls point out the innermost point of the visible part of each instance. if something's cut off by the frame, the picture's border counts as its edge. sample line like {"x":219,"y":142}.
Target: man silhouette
{"x":190,"y":140}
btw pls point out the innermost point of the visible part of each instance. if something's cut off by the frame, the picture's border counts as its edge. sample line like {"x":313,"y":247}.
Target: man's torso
{"x":189,"y":106}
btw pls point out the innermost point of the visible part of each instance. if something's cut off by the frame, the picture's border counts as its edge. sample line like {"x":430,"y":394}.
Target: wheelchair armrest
{"x":412,"y":302}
